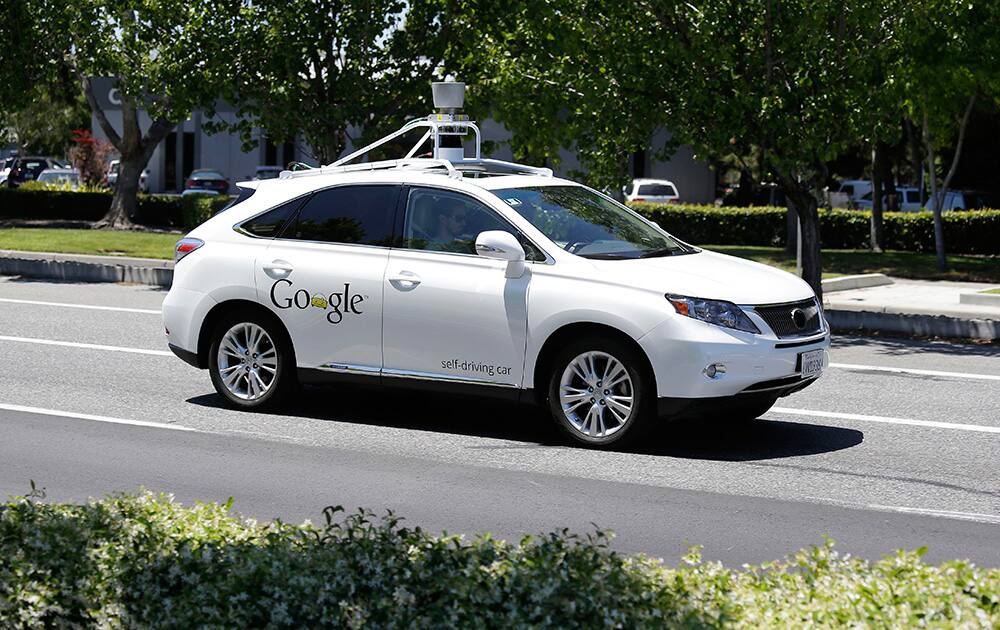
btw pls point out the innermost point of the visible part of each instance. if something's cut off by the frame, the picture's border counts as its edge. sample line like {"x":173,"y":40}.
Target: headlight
{"x":725,"y":314}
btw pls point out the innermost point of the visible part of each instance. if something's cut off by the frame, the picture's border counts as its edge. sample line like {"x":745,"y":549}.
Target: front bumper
{"x":681,"y":349}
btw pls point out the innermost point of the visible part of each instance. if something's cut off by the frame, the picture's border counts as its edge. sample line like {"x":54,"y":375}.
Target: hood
{"x":708,"y":275}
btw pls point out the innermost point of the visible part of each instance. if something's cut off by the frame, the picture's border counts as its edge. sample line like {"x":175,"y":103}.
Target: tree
{"x":951,"y":63}
{"x":44,"y":125}
{"x":777,"y":77}
{"x":161,"y":54}
{"x":332,"y":71}
{"x":90,"y":156}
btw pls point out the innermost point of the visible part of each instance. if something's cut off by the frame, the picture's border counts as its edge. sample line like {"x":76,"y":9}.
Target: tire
{"x":587,"y":411}
{"x":262,"y":381}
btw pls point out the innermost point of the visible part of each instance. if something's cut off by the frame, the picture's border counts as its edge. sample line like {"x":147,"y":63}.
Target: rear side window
{"x":269,"y":224}
{"x":361,"y":215}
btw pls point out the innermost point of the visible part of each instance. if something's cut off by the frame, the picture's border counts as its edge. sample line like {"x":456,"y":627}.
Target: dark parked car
{"x":27,"y":169}
{"x":206,"y":180}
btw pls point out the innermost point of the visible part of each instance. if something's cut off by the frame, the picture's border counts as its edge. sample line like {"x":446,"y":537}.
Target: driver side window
{"x":444,"y":221}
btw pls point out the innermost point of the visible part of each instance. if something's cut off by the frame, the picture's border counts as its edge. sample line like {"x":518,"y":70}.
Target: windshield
{"x":588,"y":224}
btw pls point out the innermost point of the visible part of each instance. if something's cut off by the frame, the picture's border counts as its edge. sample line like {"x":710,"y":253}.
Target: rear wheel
{"x":600,"y":392}
{"x":251,"y":362}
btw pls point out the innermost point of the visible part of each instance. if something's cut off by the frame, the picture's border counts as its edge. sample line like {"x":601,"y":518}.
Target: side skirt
{"x":312,"y":376}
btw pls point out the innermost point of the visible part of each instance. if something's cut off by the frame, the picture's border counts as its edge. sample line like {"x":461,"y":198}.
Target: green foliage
{"x":324,"y":69}
{"x":968,"y":232}
{"x":145,"y":561}
{"x":197,"y":208}
{"x":60,"y":186}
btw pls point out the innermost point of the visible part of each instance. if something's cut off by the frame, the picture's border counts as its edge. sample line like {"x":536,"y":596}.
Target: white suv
{"x":484,"y":276}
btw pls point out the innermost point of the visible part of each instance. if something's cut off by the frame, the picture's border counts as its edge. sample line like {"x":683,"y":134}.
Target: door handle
{"x":405,"y":280}
{"x":278,"y":268}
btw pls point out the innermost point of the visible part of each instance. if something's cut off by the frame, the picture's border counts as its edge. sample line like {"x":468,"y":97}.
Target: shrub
{"x":198,"y":208}
{"x":144,"y":561}
{"x":41,"y":201}
{"x":965,"y":232}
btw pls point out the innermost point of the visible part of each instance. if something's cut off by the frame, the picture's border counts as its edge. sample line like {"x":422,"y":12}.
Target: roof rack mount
{"x":448,"y":98}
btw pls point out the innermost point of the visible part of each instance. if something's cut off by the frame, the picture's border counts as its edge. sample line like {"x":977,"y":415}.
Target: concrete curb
{"x":82,"y":268}
{"x":861,"y":281}
{"x":980,"y":299}
{"x":914,"y":324}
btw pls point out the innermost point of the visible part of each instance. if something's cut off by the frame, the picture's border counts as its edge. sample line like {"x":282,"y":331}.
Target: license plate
{"x":811,"y":362}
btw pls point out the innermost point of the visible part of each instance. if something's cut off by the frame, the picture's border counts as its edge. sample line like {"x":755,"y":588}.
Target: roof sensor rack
{"x":445,"y":128}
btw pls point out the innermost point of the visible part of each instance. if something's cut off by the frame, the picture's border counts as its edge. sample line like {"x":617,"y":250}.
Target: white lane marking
{"x":896,"y":370}
{"x":887,"y":420}
{"x":965,"y":516}
{"x":88,"y":346}
{"x":87,"y":306}
{"x":87,"y":416}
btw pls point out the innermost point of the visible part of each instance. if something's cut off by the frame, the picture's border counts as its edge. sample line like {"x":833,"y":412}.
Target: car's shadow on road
{"x":531,"y":427}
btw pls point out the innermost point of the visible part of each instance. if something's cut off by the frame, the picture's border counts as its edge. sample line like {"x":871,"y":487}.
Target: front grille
{"x":780,"y":318}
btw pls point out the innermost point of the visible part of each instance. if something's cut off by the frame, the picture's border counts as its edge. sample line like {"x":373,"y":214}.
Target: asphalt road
{"x":898,"y":445}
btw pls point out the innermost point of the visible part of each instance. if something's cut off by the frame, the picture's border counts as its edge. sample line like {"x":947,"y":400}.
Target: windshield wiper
{"x":664,"y":251}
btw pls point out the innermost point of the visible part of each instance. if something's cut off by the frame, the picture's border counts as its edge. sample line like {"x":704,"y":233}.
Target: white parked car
{"x":61,"y":176}
{"x":466,"y":274}
{"x":652,"y":191}
{"x":112,"y":176}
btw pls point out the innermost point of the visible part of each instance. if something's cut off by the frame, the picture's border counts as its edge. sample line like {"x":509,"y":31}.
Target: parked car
{"x":67,"y":176}
{"x":112,"y":176}
{"x":5,"y":168}
{"x":474,"y":275}
{"x":206,"y":181}
{"x":27,"y":169}
{"x":652,"y":191}
{"x":267,"y":172}
{"x":855,"y":190}
{"x":907,"y":196}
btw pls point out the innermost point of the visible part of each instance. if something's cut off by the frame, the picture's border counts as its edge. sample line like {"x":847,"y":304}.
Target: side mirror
{"x":502,"y":245}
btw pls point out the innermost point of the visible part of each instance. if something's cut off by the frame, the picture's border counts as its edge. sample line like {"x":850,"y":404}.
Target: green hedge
{"x":965,"y":232}
{"x":161,"y":210}
{"x":197,"y":208}
{"x":145,"y":562}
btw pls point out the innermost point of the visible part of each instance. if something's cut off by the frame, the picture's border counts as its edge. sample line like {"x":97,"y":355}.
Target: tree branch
{"x":958,"y":147}
{"x":102,"y":119}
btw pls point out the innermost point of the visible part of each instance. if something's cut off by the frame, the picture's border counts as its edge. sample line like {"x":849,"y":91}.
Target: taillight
{"x":185,"y":246}
{"x":639,"y":199}
{"x":189,"y":183}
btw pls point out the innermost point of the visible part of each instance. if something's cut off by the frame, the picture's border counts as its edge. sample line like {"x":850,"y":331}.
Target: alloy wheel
{"x":247,"y":361}
{"x":596,"y":394}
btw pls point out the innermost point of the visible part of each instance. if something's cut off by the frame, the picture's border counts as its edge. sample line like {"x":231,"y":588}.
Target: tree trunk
{"x":802,"y":201}
{"x":125,"y":201}
{"x":942,"y":262}
{"x":878,"y":172}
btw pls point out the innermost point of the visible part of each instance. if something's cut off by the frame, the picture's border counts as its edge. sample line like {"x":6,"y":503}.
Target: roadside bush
{"x":43,"y":202}
{"x":145,"y":561}
{"x":965,"y":232}
{"x":198,"y":208}
{"x":60,"y":187}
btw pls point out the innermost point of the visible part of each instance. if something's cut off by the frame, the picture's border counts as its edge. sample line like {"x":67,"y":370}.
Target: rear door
{"x":323,"y":276}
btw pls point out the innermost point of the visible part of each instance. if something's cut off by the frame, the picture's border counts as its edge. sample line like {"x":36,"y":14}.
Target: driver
{"x":450,"y":226}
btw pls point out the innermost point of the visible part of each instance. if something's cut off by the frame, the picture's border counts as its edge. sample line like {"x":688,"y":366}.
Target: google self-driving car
{"x":460,"y":273}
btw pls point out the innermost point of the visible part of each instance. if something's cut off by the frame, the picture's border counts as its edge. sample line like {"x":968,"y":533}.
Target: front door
{"x":451,"y":315}
{"x":323,"y":277}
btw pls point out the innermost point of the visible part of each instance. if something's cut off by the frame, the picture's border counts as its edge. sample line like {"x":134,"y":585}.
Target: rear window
{"x":657,"y":190}
{"x":207,"y":175}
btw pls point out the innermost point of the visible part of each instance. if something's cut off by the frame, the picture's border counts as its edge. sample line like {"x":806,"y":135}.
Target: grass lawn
{"x":899,"y":264}
{"x":997,"y":291}
{"x":101,"y":242}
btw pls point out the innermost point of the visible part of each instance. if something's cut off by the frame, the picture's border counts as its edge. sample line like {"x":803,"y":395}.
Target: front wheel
{"x":600,"y":392}
{"x":250,"y":362}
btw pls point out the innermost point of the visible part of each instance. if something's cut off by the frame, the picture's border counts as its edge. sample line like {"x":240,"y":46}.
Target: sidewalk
{"x":911,"y":307}
{"x":919,"y":307}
